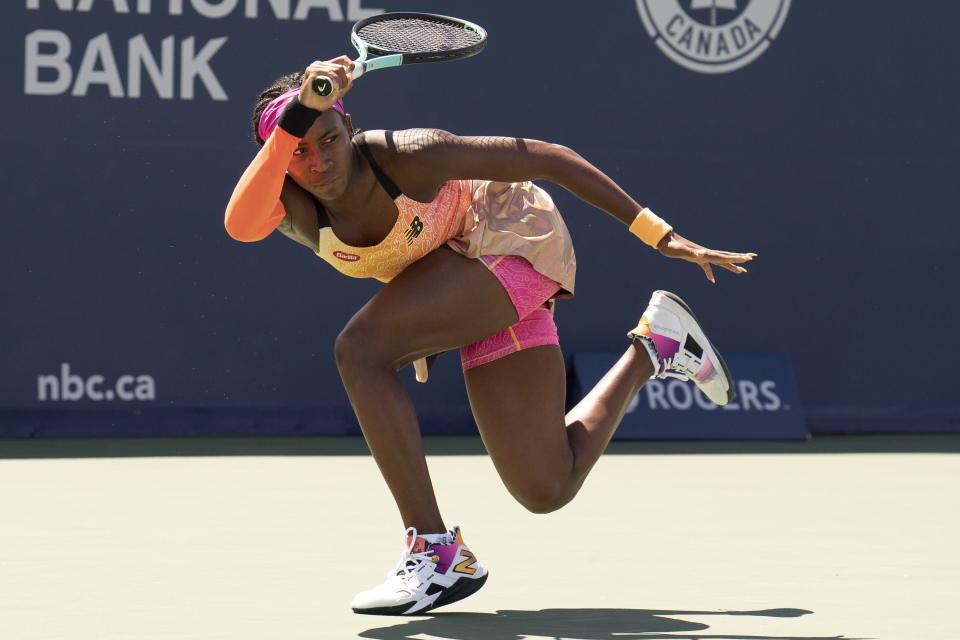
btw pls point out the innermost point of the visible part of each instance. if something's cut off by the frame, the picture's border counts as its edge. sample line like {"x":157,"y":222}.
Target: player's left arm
{"x":444,"y":156}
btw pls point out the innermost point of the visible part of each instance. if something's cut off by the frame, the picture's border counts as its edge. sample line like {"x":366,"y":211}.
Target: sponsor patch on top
{"x":343,"y":255}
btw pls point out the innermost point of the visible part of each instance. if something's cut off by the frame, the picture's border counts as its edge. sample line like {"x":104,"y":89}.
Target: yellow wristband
{"x":649,"y":227}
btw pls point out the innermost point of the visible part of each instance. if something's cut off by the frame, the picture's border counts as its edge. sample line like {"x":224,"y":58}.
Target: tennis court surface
{"x":841,"y":537}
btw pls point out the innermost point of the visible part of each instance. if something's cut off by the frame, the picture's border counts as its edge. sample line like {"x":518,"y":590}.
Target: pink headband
{"x":271,"y":115}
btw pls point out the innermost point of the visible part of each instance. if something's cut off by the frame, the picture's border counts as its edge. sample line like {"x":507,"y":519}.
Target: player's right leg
{"x":438,"y":303}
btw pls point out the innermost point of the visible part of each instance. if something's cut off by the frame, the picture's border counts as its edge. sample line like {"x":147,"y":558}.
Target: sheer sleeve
{"x":255,"y":209}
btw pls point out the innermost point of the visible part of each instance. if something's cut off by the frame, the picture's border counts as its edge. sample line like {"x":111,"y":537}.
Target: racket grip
{"x":324,"y":86}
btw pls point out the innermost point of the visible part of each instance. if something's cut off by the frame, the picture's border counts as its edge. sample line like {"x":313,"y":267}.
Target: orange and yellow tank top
{"x":420,"y":228}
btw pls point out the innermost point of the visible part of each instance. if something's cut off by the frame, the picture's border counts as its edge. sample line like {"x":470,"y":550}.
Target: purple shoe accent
{"x":706,"y":371}
{"x":666,"y":347}
{"x":447,"y":554}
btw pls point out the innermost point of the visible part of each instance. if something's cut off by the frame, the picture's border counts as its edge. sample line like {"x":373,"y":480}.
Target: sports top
{"x":472,"y":217}
{"x":420,"y":228}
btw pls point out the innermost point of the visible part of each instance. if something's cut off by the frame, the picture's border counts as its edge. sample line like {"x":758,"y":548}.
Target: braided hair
{"x":280,"y":86}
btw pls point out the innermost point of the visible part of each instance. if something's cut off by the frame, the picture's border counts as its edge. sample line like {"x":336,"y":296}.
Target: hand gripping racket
{"x":394,"y":39}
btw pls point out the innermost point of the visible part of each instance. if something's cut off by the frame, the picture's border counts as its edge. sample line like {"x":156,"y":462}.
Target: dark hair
{"x":280,"y":86}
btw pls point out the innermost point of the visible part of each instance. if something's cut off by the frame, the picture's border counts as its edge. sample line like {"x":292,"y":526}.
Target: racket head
{"x":418,"y":37}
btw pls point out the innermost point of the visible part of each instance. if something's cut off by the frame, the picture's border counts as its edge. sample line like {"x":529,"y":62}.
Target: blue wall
{"x":833,"y":155}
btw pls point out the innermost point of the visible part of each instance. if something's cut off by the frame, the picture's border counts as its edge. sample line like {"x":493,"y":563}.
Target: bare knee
{"x":543,"y":497}
{"x":357,"y":349}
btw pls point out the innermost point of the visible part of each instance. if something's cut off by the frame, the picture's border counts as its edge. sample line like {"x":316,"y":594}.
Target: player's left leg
{"x":542,"y":455}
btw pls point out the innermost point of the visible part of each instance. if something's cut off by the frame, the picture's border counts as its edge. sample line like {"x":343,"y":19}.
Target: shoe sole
{"x":731,"y":388}
{"x":457,"y":591}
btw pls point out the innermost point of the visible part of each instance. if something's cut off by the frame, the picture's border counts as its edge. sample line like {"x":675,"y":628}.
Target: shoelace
{"x":406,"y":568}
{"x":680,"y":371}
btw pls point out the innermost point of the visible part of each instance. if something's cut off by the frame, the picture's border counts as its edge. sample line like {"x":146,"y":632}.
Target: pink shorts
{"x":529,"y":291}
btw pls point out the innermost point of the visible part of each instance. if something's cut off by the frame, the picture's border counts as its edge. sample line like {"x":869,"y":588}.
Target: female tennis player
{"x":473,"y":255}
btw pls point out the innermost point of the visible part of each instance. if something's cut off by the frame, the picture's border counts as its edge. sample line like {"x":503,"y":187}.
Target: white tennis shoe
{"x":428,"y":575}
{"x":681,"y":349}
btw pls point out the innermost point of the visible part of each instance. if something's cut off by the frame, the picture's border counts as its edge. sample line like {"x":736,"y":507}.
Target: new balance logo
{"x":468,"y":566}
{"x":416,"y":227}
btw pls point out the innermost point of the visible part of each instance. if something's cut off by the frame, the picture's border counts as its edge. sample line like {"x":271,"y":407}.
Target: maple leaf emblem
{"x":713,"y":5}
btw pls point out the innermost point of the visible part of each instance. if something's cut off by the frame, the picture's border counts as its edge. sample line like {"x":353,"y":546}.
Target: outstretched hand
{"x":676,"y":246}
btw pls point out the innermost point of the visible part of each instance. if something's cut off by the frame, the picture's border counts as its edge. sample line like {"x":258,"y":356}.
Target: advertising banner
{"x":821,"y":136}
{"x":766,"y":407}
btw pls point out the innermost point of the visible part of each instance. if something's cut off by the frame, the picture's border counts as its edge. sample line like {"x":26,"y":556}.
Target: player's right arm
{"x":301,"y":222}
{"x":265,"y":199}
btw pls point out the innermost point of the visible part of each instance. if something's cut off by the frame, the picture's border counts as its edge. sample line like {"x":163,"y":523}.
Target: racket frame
{"x":395,"y":59}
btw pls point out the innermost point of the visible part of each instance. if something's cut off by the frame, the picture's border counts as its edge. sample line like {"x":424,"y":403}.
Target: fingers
{"x":708,"y":271}
{"x":679,"y":247}
{"x":338,"y":68}
{"x":732,"y":267}
{"x":728,"y":256}
{"x":729,"y":266}
{"x":339,"y":71}
{"x":421,"y":370}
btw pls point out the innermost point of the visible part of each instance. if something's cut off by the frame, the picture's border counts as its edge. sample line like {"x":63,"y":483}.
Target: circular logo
{"x":713,"y":36}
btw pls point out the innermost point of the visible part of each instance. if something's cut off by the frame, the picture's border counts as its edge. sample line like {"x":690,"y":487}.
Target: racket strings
{"x":417,"y":35}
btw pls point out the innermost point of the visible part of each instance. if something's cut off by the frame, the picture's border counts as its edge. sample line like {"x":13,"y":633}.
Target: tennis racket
{"x":394,"y":39}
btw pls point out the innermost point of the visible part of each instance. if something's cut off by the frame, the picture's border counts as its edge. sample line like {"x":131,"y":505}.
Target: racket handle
{"x":324,"y":86}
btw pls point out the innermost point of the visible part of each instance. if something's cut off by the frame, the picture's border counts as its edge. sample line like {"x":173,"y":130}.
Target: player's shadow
{"x":583,"y":624}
